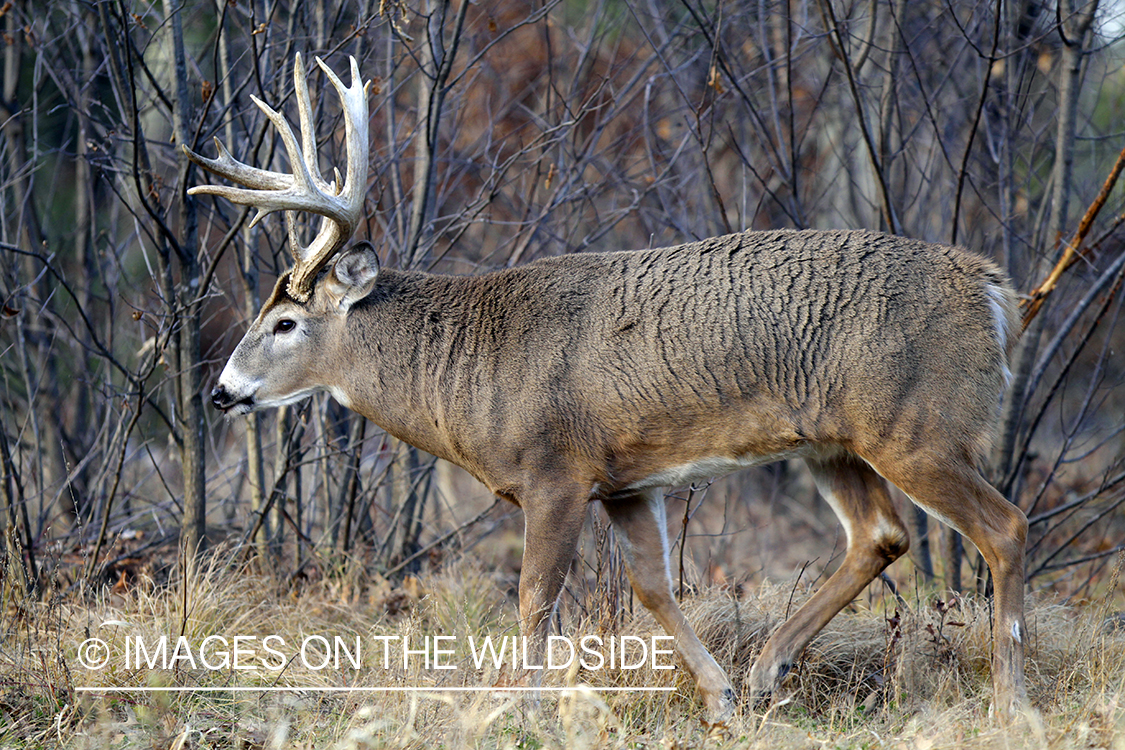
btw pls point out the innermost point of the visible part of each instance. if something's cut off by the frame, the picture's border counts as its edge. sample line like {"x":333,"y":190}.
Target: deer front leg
{"x":876,"y":538}
{"x":642,"y":534}
{"x":552,"y":525}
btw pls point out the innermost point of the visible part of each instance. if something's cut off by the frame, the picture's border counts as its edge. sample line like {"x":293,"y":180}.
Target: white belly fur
{"x":707,"y":468}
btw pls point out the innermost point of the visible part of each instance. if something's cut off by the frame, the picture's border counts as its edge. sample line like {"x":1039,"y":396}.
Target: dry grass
{"x":912,"y":676}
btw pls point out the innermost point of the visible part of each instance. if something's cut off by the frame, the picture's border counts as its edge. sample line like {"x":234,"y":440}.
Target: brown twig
{"x":443,"y":539}
{"x":1072,"y":253}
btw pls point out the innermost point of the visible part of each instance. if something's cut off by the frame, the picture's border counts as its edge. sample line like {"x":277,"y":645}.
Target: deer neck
{"x":397,"y":347}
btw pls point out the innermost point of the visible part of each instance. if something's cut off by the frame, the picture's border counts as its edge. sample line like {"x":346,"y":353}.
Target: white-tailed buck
{"x":611,"y":376}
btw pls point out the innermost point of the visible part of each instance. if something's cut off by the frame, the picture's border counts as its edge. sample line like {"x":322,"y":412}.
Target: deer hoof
{"x":720,"y":706}
{"x":765,"y":681}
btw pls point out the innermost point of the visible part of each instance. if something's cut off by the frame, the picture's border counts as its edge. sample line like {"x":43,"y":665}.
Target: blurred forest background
{"x":501,"y":132}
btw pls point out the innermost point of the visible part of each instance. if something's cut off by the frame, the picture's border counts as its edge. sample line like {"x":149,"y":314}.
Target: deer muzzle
{"x":228,"y":403}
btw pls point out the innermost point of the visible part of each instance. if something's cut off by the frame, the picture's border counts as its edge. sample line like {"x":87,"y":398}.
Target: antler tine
{"x":227,"y":166}
{"x":352,"y":97}
{"x":304,"y":118}
{"x":305,"y":189}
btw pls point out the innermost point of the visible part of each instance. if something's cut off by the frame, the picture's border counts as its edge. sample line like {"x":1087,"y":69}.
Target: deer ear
{"x":352,"y":276}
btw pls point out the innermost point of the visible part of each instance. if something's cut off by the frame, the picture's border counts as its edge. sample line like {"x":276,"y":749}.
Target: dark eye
{"x":285,"y":325}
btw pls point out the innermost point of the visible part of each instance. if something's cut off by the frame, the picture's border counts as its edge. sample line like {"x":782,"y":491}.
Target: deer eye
{"x":285,"y":325}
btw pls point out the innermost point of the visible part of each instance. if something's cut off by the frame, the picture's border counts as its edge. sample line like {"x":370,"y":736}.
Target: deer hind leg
{"x":876,"y":538}
{"x":642,"y":535}
{"x":952,"y":490}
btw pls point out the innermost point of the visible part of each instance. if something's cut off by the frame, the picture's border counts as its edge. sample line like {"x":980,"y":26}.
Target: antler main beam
{"x":340,"y":202}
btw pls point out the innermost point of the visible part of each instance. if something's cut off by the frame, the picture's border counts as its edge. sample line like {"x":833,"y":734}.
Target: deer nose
{"x":220,"y":398}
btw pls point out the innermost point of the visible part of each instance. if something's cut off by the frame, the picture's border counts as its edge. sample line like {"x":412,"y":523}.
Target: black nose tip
{"x":220,"y":398}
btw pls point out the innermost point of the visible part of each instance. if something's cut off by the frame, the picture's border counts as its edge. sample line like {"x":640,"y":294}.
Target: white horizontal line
{"x":277,"y":689}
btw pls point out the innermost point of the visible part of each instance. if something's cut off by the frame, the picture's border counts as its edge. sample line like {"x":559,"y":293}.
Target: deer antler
{"x":341,"y":205}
